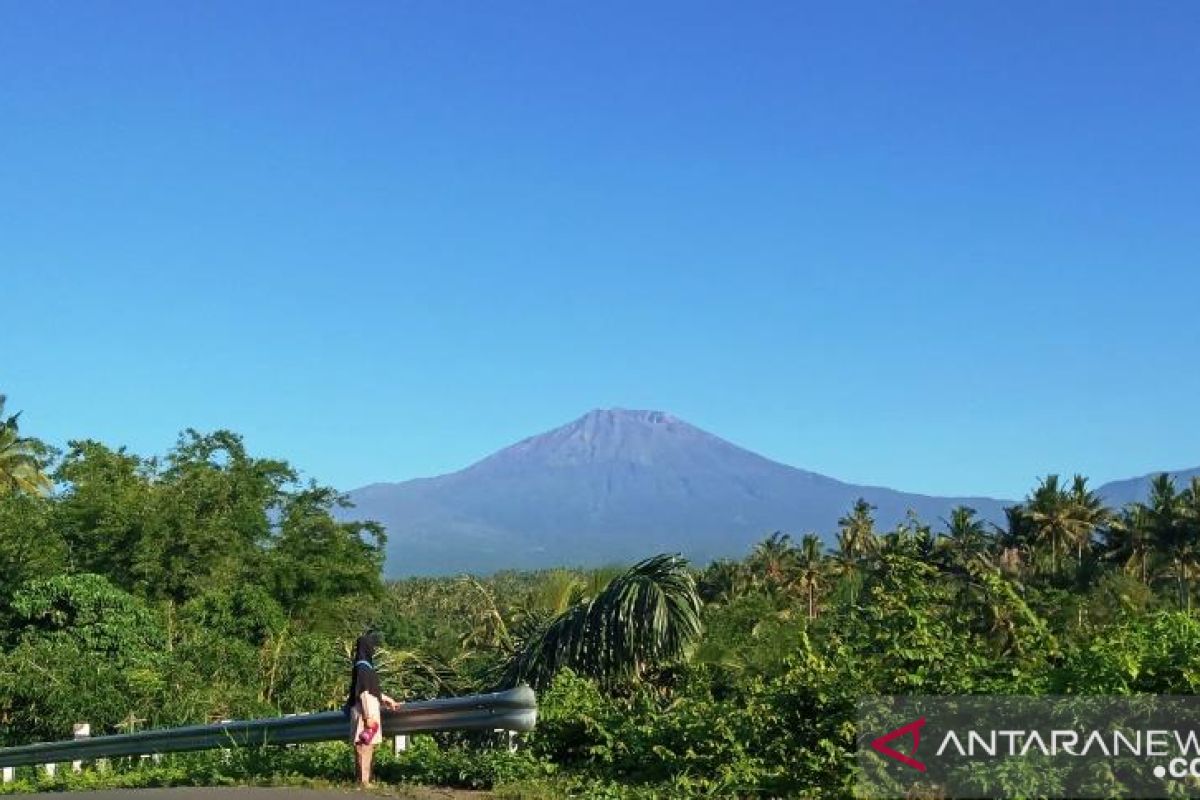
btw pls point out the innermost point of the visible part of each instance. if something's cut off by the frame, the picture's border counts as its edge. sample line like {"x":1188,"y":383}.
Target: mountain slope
{"x":617,"y":485}
{"x":1118,"y":493}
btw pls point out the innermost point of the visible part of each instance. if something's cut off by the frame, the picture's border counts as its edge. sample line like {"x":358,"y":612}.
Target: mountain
{"x":1118,"y":493}
{"x":616,"y":486}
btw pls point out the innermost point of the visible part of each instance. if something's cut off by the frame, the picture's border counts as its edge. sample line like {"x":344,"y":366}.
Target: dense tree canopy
{"x":212,"y":583}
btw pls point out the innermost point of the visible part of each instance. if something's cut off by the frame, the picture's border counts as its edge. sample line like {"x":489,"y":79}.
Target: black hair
{"x":363,"y":677}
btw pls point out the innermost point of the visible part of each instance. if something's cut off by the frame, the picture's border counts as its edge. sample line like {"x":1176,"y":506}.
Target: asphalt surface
{"x":263,"y":793}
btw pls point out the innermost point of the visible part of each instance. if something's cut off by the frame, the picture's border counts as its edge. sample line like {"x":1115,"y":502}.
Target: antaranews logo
{"x":914,"y":727}
{"x":1018,"y":746}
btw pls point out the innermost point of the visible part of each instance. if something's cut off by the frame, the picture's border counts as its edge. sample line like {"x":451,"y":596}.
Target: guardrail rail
{"x":511,"y":710}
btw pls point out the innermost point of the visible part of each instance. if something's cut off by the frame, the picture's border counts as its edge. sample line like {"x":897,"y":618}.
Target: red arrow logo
{"x":914,"y":728}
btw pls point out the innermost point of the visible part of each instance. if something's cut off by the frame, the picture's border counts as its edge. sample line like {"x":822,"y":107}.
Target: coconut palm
{"x":994,"y":606}
{"x":848,"y":566}
{"x":1189,"y":501}
{"x":1061,"y":520}
{"x":771,"y":560}
{"x":1128,"y":541}
{"x":723,"y":580}
{"x":647,"y":617}
{"x":810,"y":570}
{"x":911,"y":538}
{"x":966,"y":536}
{"x":1166,"y":515}
{"x":556,"y":591}
{"x":1014,"y":541}
{"x":859,"y":529}
{"x":1090,"y":515}
{"x":20,"y":468}
{"x":486,"y":625}
{"x":856,"y":542}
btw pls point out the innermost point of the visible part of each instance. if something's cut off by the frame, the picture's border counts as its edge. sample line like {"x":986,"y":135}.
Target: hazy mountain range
{"x":616,"y":486}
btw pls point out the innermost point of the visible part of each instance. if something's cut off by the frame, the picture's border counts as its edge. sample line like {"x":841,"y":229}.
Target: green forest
{"x":210,"y":583}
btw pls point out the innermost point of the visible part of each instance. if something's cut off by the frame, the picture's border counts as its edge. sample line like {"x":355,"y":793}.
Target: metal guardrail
{"x":513,"y":710}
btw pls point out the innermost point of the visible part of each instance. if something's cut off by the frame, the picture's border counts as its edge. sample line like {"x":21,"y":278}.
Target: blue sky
{"x":947,"y":247}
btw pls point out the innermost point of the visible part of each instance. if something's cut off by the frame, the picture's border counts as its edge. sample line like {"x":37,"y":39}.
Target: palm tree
{"x":488,"y":628}
{"x":1013,"y":541}
{"x":859,"y":529}
{"x":810,"y":570}
{"x":1060,"y":519}
{"x":911,"y":538}
{"x":847,"y":565}
{"x":646,"y":617}
{"x":994,"y":606}
{"x":1189,"y":500}
{"x":1089,"y":512}
{"x":723,"y":580}
{"x":1128,"y":541}
{"x":966,"y":536}
{"x":771,"y":560}
{"x":557,"y":590}
{"x":1166,"y":514}
{"x":856,"y":541}
{"x":20,"y":467}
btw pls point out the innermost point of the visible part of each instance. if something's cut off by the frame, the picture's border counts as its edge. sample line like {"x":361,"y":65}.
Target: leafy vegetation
{"x":212,"y":584}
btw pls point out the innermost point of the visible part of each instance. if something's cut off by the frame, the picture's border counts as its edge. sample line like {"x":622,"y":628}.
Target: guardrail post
{"x":510,"y":739}
{"x":50,"y":769}
{"x":290,"y":746}
{"x":400,"y":744}
{"x":10,"y":774}
{"x":82,"y":730}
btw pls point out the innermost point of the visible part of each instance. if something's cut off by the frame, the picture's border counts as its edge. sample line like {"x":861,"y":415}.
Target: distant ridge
{"x":1118,"y":493}
{"x":617,"y":485}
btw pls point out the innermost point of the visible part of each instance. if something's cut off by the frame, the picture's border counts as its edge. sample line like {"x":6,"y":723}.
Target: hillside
{"x":616,"y":485}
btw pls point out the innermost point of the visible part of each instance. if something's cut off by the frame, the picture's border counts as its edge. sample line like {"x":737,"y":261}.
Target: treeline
{"x":212,"y":584}
{"x":205,"y":584}
{"x":1061,"y":538}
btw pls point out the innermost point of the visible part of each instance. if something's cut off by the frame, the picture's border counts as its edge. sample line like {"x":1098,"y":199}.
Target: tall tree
{"x":21,"y":467}
{"x":105,"y":510}
{"x":771,"y":560}
{"x":1014,"y":540}
{"x":213,"y":511}
{"x":856,"y":541}
{"x":1090,"y":515}
{"x":1166,"y":516}
{"x":1062,"y":520}
{"x":1129,"y":542}
{"x":30,"y":546}
{"x":723,"y":580}
{"x":810,"y":570}
{"x":315,"y":561}
{"x":858,"y":528}
{"x":966,"y":536}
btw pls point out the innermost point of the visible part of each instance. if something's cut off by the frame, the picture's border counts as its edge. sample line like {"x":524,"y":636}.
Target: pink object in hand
{"x":368,"y":733}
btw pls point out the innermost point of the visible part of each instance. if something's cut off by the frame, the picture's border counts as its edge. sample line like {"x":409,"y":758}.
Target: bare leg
{"x":368,"y":755}
{"x":358,"y":763}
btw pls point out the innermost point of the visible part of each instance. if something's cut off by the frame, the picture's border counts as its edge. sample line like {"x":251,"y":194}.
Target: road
{"x":261,"y":793}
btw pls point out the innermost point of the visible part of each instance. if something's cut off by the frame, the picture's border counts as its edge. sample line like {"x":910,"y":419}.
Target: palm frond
{"x":646,"y":617}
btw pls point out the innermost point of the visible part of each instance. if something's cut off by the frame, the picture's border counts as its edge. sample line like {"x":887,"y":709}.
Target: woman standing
{"x":363,"y":704}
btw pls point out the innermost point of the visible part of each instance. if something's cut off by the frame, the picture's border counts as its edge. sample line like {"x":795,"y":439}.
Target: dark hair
{"x":363,"y":677}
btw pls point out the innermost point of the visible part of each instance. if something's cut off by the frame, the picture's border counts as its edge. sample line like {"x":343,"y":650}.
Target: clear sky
{"x":946,"y":247}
